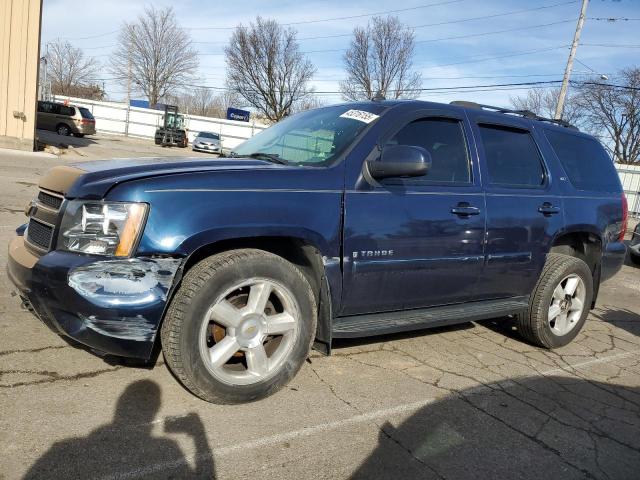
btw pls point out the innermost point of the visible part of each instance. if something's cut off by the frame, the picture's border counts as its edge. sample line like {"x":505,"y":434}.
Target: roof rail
{"x":523,"y":113}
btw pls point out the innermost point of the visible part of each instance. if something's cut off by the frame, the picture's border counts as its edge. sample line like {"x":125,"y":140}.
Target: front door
{"x":416,"y":242}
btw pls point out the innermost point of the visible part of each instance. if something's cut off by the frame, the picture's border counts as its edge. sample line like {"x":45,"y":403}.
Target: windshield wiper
{"x":272,"y":157}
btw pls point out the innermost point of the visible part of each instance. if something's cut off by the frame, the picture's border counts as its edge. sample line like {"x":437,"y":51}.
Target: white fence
{"x":630,"y":178}
{"x":119,"y":119}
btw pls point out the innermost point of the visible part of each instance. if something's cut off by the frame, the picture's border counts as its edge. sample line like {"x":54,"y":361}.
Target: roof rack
{"x":523,"y":113}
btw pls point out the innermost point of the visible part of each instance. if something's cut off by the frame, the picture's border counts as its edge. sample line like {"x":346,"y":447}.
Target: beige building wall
{"x":19,"y":61}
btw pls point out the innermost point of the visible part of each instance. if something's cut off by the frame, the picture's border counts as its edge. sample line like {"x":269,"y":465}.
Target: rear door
{"x":416,"y":242}
{"x":523,"y":201}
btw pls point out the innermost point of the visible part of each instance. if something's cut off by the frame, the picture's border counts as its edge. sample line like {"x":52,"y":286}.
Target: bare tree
{"x":223,"y":101}
{"x":154,"y":54}
{"x":203,"y":101}
{"x":613,"y":113}
{"x":543,"y":102}
{"x":69,"y":71}
{"x":380,"y":60}
{"x":267,"y":69}
{"x":308,"y":103}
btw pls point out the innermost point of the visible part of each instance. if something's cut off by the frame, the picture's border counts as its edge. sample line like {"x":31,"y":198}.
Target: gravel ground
{"x":472,"y":401}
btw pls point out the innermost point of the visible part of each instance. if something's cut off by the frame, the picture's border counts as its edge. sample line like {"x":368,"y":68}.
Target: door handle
{"x":547,"y":209}
{"x":463,"y":209}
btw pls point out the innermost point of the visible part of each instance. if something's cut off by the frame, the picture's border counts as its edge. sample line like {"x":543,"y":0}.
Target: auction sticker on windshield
{"x":360,"y":115}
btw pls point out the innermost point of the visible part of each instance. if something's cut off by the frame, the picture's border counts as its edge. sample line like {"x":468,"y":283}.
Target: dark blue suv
{"x":345,"y":221}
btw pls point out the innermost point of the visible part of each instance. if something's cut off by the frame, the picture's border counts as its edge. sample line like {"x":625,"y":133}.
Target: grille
{"x":39,"y":234}
{"x":49,"y":200}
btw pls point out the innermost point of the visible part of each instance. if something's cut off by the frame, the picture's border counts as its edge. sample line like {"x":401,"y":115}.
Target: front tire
{"x":240,"y":326}
{"x":559,"y":304}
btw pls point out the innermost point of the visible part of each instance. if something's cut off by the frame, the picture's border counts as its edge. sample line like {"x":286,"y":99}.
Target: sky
{"x":515,"y":41}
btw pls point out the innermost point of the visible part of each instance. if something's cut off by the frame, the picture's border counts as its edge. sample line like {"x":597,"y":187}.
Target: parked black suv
{"x":344,"y":221}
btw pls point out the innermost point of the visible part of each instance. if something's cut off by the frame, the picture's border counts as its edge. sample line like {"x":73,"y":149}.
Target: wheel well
{"x":583,"y":245}
{"x":302,"y":254}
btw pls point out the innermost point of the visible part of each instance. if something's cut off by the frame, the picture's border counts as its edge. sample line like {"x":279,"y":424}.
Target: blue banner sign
{"x":237,"y":114}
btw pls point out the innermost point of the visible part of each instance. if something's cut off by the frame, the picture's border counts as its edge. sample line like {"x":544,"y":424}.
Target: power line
{"x":91,"y":36}
{"x":428,"y":89}
{"x":513,"y":12}
{"x":614,"y":19}
{"x":350,"y":17}
{"x":611,"y":85}
{"x":474,"y":59}
{"x":457,"y":37}
{"x":609,"y":45}
{"x":430,"y":40}
{"x":464,"y":88}
{"x":464,"y":77}
{"x":450,"y":22}
{"x":458,"y":88}
{"x":497,"y":57}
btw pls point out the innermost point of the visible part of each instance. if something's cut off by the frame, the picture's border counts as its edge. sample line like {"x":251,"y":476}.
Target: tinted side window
{"x":444,"y":139}
{"x":512,"y":157}
{"x":69,"y":111}
{"x":45,"y":107}
{"x":586,"y":162}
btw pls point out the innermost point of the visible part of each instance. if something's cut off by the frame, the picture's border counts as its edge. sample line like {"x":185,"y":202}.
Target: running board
{"x":401,"y":321}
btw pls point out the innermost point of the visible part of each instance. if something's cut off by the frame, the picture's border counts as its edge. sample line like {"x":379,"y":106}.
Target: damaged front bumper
{"x":114,"y":306}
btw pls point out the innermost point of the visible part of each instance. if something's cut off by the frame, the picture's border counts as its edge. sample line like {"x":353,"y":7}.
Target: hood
{"x":94,"y":179}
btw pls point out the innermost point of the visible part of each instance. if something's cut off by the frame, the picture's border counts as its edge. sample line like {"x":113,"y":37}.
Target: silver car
{"x":207,"y":142}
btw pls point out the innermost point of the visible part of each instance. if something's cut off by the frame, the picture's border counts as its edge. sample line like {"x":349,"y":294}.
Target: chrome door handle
{"x":547,"y":209}
{"x":465,"y":210}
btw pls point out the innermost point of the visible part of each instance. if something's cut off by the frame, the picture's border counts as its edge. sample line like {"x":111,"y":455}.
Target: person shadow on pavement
{"x":127,"y":448}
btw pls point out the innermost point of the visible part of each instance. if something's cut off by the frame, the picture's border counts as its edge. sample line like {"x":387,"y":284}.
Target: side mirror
{"x":400,"y":161}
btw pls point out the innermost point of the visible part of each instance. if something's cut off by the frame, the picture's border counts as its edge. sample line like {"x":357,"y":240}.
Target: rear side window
{"x":513,"y":159}
{"x":86,"y":113}
{"x":444,"y":139}
{"x":585,"y":161}
{"x":69,"y":111}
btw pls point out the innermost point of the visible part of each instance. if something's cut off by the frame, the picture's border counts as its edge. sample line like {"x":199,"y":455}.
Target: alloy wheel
{"x":249,"y":331}
{"x":567,"y":305}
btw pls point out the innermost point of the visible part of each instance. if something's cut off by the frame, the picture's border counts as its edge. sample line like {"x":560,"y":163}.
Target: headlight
{"x":101,"y":228}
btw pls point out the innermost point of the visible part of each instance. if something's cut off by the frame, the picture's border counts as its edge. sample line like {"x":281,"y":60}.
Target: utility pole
{"x":126,"y":123}
{"x":572,"y":54}
{"x":43,"y":85}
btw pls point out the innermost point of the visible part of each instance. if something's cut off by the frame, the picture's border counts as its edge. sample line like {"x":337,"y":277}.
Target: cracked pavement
{"x":471,"y":401}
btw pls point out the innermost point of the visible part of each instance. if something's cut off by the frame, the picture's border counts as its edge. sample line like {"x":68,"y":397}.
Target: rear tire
{"x":240,"y":326}
{"x":559,"y":304}
{"x":634,"y":258}
{"x":63,"y":129}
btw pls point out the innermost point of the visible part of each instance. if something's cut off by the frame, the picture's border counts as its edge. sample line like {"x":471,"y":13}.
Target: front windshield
{"x":314,"y":137}
{"x":208,"y":135}
{"x":174,"y":121}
